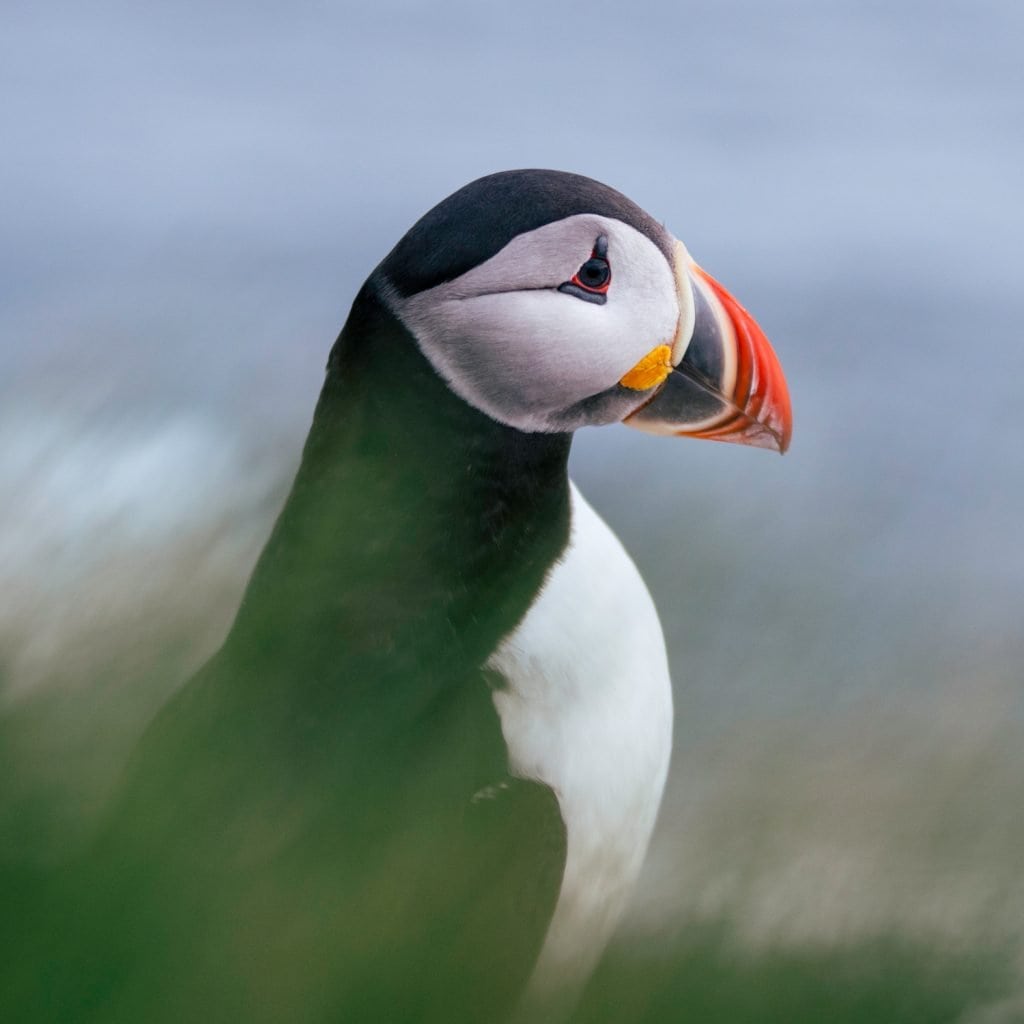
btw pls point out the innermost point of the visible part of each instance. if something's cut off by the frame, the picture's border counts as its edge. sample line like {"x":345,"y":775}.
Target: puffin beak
{"x":721,"y":379}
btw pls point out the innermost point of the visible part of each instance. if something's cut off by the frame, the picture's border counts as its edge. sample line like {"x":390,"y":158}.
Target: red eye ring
{"x":592,"y":281}
{"x":595,"y":276}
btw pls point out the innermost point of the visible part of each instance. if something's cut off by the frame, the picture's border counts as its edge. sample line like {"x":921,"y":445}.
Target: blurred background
{"x":193,"y":193}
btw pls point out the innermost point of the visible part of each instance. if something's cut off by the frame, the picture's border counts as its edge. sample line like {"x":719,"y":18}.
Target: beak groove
{"x":728,"y":384}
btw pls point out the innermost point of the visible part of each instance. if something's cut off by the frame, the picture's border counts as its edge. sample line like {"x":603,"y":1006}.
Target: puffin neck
{"x":413,"y":515}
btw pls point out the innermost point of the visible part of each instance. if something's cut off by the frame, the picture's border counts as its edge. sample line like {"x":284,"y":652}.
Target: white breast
{"x":588,"y":711}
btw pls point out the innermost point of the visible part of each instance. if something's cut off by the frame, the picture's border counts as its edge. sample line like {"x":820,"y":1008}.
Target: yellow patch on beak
{"x":651,"y":370}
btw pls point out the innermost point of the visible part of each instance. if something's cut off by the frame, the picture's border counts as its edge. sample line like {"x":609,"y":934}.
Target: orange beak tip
{"x":764,"y":418}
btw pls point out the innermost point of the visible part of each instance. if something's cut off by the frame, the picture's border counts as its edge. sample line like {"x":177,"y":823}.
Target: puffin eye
{"x":592,"y":281}
{"x":594,"y":275}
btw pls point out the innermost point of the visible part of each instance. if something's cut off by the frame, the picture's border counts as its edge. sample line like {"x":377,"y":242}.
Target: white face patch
{"x":512,"y":345}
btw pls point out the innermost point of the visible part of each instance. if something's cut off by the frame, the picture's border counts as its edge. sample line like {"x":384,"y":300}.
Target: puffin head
{"x":549,"y":301}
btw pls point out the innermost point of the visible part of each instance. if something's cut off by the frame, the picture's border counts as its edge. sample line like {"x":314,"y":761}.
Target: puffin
{"x":418,"y":780}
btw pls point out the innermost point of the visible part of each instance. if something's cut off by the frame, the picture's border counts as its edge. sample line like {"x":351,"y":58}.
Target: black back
{"x":321,"y":825}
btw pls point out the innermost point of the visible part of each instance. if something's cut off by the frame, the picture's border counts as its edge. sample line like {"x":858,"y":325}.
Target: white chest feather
{"x":588,"y":711}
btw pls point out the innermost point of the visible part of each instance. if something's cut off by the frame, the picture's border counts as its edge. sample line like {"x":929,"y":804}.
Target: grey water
{"x":190,"y":196}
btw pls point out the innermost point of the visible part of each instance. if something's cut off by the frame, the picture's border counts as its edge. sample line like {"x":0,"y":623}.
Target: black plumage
{"x":321,"y":824}
{"x":476,"y":221}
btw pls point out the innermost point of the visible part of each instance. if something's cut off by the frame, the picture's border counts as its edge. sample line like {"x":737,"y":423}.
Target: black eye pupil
{"x":595,"y":272}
